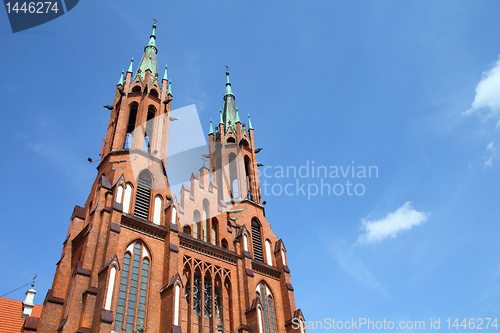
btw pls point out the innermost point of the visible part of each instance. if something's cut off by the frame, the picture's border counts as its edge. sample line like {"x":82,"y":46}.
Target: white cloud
{"x":349,"y":262}
{"x":492,"y":155}
{"x":488,"y":92}
{"x":404,"y":218}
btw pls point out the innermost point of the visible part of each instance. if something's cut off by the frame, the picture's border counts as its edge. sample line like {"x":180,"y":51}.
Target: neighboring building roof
{"x":10,"y":315}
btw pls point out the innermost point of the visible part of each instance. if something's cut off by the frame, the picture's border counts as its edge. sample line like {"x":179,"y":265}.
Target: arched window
{"x":132,"y":296}
{"x":119,"y":194}
{"x":206,"y":289}
{"x":109,"y":292}
{"x":233,"y":176}
{"x":256,"y":241}
{"x":149,"y":129}
{"x":176,"y":304}
{"x":245,"y":242}
{"x":131,"y":124}
{"x":143,"y":195}
{"x":231,"y":140}
{"x":223,"y":243}
{"x":213,"y":238}
{"x":196,"y":224}
{"x":136,"y":89}
{"x":157,"y":210}
{"x":269,"y":257}
{"x":248,"y":178}
{"x":154,"y":93}
{"x":204,"y":218}
{"x":186,"y":230}
{"x":268,"y":316}
{"x":126,"y":198}
{"x":174,"y":215}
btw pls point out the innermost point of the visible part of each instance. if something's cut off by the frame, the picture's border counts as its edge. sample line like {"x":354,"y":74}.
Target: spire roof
{"x":230,"y":113}
{"x":249,"y":123}
{"x":130,"y":67}
{"x":169,"y":90}
{"x":220,"y":120}
{"x":148,"y":60}
{"x":211,"y":129}
{"x":121,"y":79}
{"x":165,"y":75}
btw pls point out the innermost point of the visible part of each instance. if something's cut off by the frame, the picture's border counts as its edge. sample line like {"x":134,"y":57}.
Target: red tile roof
{"x":10,"y":315}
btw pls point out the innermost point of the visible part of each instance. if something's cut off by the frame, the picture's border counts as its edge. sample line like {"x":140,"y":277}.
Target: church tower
{"x":137,"y":258}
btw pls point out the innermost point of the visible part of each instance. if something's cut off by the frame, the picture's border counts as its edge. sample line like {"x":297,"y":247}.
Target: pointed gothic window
{"x":207,"y":297}
{"x":132,"y":296}
{"x":143,"y":194}
{"x":157,"y":210}
{"x":233,"y":176}
{"x":196,"y":224}
{"x":266,"y":299}
{"x":256,"y":241}
{"x":131,"y":125}
{"x":126,"y":198}
{"x":214,"y":238}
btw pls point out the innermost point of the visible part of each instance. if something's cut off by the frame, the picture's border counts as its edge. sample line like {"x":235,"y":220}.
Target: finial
{"x":228,"y":85}
{"x":211,"y":130}
{"x":121,"y":79}
{"x":237,"y":117}
{"x":220,"y":121}
{"x":165,"y":75}
{"x":250,"y":127}
{"x":169,"y":90}
{"x":130,"y":67}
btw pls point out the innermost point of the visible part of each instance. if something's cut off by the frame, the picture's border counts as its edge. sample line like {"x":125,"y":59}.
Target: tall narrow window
{"x":157,"y":210}
{"x":111,"y":284}
{"x":131,"y":125}
{"x":174,"y":216}
{"x":269,"y":256}
{"x":132,"y":296}
{"x":233,"y":176}
{"x":196,"y":224}
{"x":143,"y":194}
{"x":126,"y":199}
{"x":266,"y":299}
{"x":204,"y":218}
{"x":149,"y":129}
{"x":248,"y":177}
{"x":198,"y":289}
{"x":256,"y":241}
{"x":271,"y":313}
{"x":119,"y":194}
{"x":213,"y":238}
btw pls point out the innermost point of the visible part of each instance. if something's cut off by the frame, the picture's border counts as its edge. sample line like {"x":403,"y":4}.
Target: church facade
{"x":137,"y":258}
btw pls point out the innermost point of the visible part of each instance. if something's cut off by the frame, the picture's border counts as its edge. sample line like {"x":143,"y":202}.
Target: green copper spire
{"x":148,"y":60}
{"x":211,"y":130}
{"x":220,"y":121}
{"x":169,"y":90}
{"x":249,"y":123}
{"x":165,"y":75}
{"x":120,"y":83}
{"x":152,"y":39}
{"x":228,"y":85}
{"x":130,"y":67}
{"x":230,"y":112}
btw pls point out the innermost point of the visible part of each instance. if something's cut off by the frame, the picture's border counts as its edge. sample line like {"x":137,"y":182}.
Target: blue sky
{"x":410,"y":87}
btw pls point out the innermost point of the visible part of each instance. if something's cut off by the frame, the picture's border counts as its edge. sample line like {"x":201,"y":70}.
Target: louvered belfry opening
{"x":143,"y":195}
{"x":256,"y":241}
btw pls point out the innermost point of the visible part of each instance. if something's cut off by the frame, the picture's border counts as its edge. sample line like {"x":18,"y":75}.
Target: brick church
{"x":137,"y":258}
